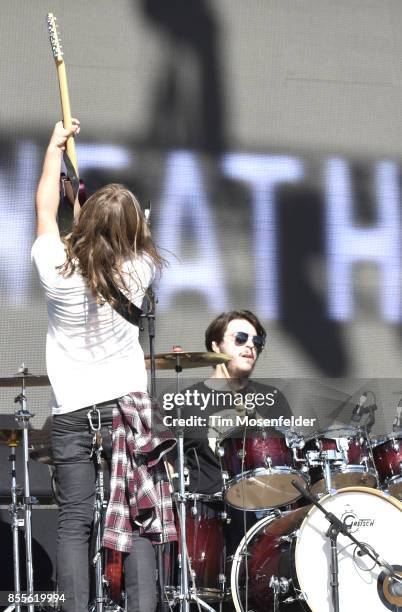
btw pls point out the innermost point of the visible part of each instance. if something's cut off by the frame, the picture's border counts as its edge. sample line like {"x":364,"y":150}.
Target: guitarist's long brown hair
{"x":110,"y":230}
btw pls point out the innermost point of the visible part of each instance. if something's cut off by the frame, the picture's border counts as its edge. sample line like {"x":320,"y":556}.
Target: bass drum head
{"x":374,"y":519}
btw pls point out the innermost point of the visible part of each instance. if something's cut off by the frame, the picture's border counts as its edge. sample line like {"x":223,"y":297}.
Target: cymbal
{"x":31,"y":380}
{"x":167,"y":361}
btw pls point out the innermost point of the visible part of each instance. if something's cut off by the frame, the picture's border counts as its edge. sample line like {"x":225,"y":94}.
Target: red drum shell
{"x":205,"y":545}
{"x":270,"y":554}
{"x":388,"y":460}
{"x":351,"y":473}
{"x":263,"y":480}
{"x":257,"y":449}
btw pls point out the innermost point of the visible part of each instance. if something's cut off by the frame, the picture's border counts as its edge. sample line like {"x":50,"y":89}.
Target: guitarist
{"x":94,"y":359}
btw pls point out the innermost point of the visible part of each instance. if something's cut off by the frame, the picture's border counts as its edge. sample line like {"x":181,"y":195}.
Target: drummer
{"x":239,"y":334}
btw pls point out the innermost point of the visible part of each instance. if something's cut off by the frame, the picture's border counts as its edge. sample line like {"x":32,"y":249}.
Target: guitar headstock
{"x":54,"y":37}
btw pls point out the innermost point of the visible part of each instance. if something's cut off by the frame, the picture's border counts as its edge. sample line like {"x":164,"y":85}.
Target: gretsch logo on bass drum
{"x":353,"y":522}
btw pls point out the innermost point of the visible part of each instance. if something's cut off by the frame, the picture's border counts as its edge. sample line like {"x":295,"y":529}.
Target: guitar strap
{"x":71,"y":174}
{"x":129,"y":311}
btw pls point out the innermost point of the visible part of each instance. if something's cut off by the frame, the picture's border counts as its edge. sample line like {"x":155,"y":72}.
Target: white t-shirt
{"x":92,"y":353}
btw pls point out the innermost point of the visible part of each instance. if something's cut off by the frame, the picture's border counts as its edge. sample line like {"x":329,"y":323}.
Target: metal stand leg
{"x":22,"y":415}
{"x":333,"y":533}
{"x":327,"y":473}
{"x":15,"y":521}
{"x":186,"y":595}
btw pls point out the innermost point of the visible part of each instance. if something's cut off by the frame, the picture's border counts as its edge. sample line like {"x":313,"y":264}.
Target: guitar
{"x":71,"y":186}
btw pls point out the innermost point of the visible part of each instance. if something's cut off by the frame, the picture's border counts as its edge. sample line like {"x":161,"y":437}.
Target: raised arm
{"x":48,"y":191}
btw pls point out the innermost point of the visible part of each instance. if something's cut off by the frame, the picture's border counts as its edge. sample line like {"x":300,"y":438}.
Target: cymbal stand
{"x":371,"y":457}
{"x":15,"y":521}
{"x":185,"y":594}
{"x":22,"y":415}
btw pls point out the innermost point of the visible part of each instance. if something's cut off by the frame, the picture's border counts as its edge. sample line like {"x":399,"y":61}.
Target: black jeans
{"x":75,"y":477}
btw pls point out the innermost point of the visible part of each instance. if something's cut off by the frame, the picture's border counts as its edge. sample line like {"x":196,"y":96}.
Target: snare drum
{"x":387,"y":454}
{"x":205,"y":546}
{"x":348,"y":454}
{"x":258,"y":470}
{"x":293,"y":554}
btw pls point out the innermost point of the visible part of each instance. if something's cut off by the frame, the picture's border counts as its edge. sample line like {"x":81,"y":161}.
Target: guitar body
{"x":114,"y":573}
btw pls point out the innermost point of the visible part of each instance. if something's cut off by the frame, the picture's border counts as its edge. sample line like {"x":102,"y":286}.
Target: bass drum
{"x":294,"y":550}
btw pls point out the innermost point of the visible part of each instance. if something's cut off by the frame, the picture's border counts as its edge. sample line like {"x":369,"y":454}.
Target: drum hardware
{"x":288,"y":538}
{"x":294,"y":599}
{"x":295,"y":441}
{"x":22,"y":416}
{"x":268,"y":462}
{"x":336,"y":527}
{"x":16,"y":522}
{"x":224,"y":517}
{"x":219,"y":451}
{"x":279,"y":586}
{"x":177,"y":360}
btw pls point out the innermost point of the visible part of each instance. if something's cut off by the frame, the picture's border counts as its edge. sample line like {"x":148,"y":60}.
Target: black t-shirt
{"x":203,"y":463}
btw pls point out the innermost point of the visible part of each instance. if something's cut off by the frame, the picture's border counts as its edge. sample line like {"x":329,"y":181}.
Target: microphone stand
{"x":149,"y":314}
{"x":336,"y":527}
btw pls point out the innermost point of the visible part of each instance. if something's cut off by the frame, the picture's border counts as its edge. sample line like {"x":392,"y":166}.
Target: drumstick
{"x":224,"y":370}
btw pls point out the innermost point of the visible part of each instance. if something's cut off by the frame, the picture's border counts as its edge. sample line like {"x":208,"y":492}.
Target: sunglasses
{"x":240,"y":338}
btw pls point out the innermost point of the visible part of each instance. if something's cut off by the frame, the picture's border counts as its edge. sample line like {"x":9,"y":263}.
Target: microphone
{"x":397,"y":424}
{"x":389,"y":586}
{"x":357,"y":412}
{"x":395,"y":586}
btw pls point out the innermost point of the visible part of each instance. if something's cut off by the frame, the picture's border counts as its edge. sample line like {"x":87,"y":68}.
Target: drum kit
{"x":283,"y":562}
{"x":290,"y":558}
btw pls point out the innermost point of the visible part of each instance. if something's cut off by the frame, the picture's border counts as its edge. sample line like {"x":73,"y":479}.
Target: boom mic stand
{"x":336,"y":527}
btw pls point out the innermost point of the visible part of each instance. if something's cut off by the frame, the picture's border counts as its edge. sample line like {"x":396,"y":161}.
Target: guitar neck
{"x":66,"y":110}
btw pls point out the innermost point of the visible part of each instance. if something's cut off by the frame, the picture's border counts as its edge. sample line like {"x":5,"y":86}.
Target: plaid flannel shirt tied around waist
{"x":140,"y":496}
